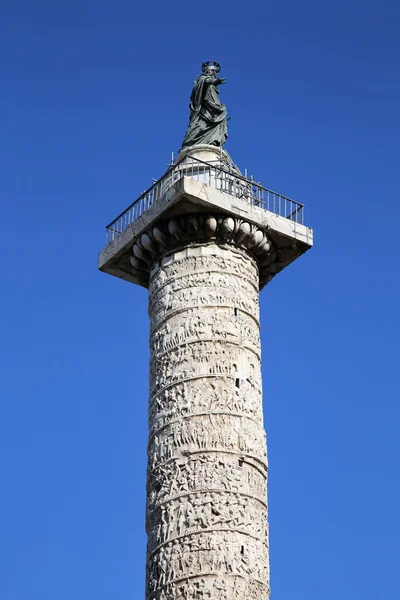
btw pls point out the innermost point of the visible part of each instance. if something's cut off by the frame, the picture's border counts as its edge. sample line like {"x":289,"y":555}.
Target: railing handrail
{"x":246,"y":179}
{"x":217,"y":167}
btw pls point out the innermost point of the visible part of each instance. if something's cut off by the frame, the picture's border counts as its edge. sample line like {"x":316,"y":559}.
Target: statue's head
{"x":211,"y":68}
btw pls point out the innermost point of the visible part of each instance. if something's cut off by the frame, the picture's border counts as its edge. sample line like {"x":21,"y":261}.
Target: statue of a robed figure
{"x":208,"y":122}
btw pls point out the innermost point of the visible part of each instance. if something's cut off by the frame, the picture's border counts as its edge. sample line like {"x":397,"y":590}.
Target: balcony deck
{"x":192,"y":185}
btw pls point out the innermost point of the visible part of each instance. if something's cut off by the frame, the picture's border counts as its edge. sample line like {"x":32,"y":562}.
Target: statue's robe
{"x":207,"y":124}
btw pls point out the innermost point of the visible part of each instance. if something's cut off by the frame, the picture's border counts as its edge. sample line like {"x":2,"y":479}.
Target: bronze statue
{"x":208,"y":122}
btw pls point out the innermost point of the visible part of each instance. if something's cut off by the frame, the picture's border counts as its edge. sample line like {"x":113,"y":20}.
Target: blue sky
{"x":94,"y":100}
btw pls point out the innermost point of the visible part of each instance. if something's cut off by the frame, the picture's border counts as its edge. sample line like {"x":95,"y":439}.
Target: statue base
{"x":210,"y":154}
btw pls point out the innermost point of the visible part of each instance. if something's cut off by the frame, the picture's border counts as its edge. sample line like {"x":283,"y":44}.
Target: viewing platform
{"x":194,"y":185}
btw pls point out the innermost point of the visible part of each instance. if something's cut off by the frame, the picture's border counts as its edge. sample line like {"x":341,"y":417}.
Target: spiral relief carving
{"x":207,"y":466}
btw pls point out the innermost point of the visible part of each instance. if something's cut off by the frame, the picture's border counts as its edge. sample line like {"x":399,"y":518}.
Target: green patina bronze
{"x":208,"y":121}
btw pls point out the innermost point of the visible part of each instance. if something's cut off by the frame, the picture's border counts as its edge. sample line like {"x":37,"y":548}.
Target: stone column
{"x":207,"y":467}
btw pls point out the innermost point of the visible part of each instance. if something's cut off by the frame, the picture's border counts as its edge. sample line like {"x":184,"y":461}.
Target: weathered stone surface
{"x":188,"y":194}
{"x":201,"y":229}
{"x":207,"y":465}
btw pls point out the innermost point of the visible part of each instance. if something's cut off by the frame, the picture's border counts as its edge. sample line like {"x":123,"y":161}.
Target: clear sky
{"x":94,"y":100}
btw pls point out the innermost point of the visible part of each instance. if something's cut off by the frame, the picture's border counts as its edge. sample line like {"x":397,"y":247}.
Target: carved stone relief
{"x":219,"y":556}
{"x":213,"y":324}
{"x":201,"y":229}
{"x":200,"y":433}
{"x":206,"y":472}
{"x":207,"y":467}
{"x":204,"y":395}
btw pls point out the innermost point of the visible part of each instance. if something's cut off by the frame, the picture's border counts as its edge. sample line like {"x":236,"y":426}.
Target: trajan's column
{"x":204,"y":239}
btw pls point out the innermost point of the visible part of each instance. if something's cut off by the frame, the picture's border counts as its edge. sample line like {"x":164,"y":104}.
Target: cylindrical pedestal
{"x":207,"y":470}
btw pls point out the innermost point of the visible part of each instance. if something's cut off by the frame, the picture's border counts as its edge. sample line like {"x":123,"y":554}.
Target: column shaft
{"x":207,"y":466}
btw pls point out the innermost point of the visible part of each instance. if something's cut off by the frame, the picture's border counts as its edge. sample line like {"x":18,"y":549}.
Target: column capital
{"x":191,"y":229}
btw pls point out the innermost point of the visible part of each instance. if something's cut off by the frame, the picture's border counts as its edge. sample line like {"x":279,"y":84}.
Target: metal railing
{"x":221,"y":178}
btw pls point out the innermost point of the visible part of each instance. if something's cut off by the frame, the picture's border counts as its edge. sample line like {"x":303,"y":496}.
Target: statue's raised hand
{"x":221,"y":80}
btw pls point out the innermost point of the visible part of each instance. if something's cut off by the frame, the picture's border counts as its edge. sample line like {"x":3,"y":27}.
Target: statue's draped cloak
{"x":207,"y":124}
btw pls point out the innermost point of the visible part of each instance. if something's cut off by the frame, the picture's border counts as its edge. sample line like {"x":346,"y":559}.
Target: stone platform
{"x":195,"y":209}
